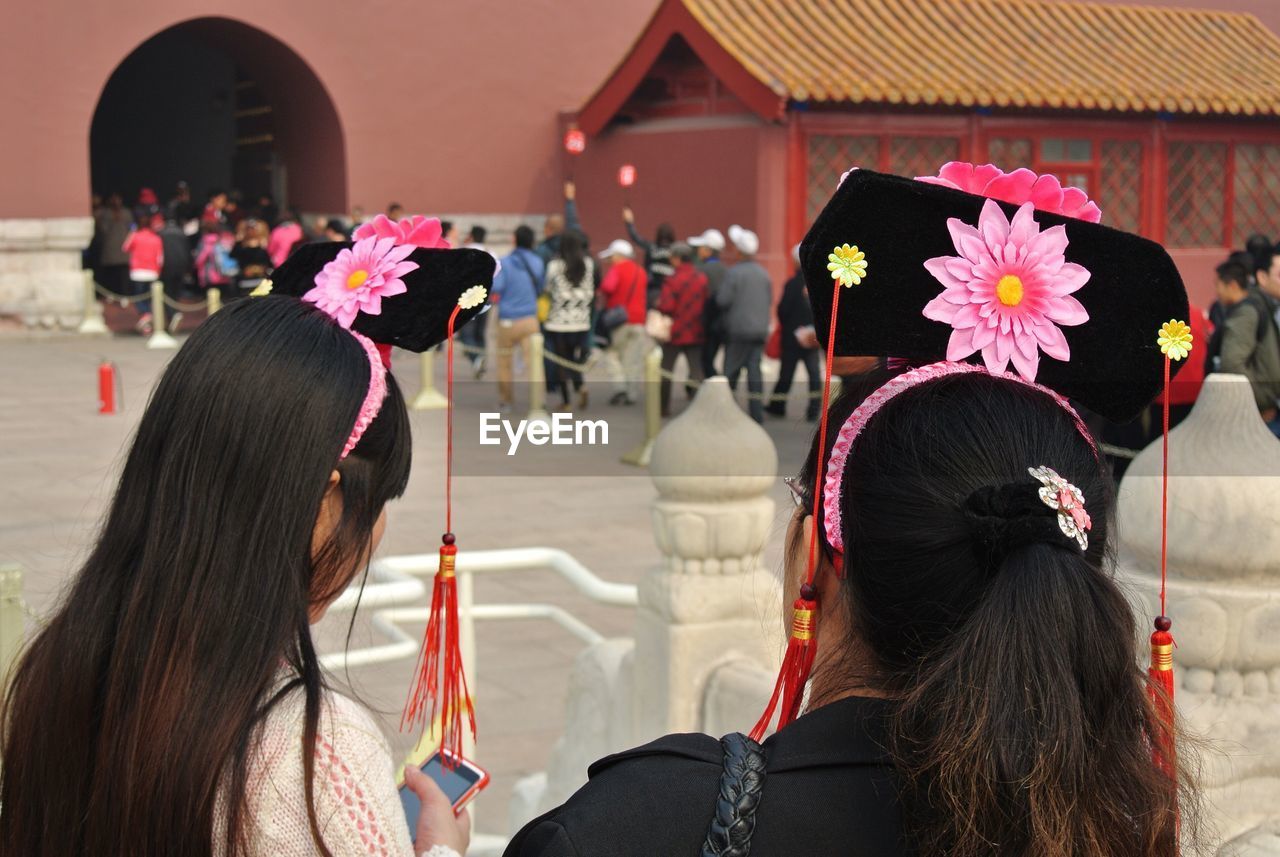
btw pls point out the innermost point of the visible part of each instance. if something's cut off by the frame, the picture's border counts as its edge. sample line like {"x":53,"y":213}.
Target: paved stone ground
{"x":60,"y":459}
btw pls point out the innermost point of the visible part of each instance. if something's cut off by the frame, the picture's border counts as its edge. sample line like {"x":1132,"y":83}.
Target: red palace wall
{"x":694,"y":174}
{"x":445,"y":107}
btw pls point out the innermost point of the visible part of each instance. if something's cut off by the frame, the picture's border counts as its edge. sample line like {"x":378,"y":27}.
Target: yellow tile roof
{"x":1002,"y":53}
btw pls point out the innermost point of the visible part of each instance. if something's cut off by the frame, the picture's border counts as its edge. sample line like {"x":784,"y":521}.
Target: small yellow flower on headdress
{"x":848,"y":265}
{"x":472,"y":297}
{"x":263,"y":289}
{"x":1174,"y":339}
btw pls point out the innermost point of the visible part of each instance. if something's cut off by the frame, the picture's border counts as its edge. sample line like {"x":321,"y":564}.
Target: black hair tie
{"x":1003,"y":518}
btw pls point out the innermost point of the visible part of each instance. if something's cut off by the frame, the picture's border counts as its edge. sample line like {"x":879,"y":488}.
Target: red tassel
{"x":1161,"y":674}
{"x":440,"y":687}
{"x":1161,"y":669}
{"x":788,"y":693}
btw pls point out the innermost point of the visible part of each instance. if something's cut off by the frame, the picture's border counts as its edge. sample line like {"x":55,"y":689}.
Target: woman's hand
{"x":437,"y":825}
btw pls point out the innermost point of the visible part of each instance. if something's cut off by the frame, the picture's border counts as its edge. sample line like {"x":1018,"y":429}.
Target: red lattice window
{"x":1196,"y":199}
{"x":829,"y":156}
{"x":1009,"y":153}
{"x":1120,"y":184}
{"x":1257,"y":191}
{"x":921,"y":156}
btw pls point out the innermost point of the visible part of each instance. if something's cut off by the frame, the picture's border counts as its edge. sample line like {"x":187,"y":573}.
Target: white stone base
{"x":41,"y":283}
{"x":1261,"y":841}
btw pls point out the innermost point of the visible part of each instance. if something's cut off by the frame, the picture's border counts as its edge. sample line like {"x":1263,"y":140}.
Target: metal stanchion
{"x":92,"y":323}
{"x":537,"y":380}
{"x":213,"y":296}
{"x":652,"y":409}
{"x":428,"y":398}
{"x":12,"y":620}
{"x":160,"y":338}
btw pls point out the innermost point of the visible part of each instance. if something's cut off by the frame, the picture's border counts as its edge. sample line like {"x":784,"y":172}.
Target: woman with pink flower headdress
{"x":960,"y":676}
{"x":174,"y":703}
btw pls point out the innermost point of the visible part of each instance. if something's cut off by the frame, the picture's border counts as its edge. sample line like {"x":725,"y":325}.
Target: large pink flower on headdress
{"x":1007,"y":291}
{"x":360,"y":277}
{"x":1045,"y":192}
{"x":417,"y":230}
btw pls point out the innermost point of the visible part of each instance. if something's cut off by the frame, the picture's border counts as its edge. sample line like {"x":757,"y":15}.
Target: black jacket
{"x":794,"y":311}
{"x":830,"y":790}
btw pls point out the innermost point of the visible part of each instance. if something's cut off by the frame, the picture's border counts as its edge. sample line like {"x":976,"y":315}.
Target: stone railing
{"x":699,"y":653}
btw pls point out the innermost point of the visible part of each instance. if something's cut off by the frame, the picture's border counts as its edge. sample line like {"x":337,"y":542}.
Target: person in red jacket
{"x":683,"y":298}
{"x":1185,"y":388}
{"x":1183,"y":392}
{"x":624,"y":286}
{"x":146,"y":259}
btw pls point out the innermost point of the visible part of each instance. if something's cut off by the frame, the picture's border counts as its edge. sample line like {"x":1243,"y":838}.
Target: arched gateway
{"x":218,"y":103}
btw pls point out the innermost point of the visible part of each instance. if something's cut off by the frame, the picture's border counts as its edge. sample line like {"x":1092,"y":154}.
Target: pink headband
{"x":857,"y":421}
{"x":372,"y":399}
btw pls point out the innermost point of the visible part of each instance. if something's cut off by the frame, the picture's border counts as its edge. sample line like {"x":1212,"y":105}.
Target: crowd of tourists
{"x":706,"y":300}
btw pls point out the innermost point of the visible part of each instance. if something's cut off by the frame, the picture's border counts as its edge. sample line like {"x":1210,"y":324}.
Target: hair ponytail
{"x":1021,"y":723}
{"x":1021,"y":733}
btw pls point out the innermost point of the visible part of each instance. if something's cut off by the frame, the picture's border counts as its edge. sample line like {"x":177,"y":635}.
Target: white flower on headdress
{"x":1068,"y":501}
{"x":473,"y":297}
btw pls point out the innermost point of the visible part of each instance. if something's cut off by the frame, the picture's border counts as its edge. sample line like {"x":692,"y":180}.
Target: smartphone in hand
{"x":461,"y":783}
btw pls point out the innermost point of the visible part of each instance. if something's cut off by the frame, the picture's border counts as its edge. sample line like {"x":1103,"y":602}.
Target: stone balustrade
{"x":1223,"y":597}
{"x":699,"y":657}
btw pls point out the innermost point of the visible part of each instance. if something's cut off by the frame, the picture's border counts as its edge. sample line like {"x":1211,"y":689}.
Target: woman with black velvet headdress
{"x":961,"y":677}
{"x":174,"y":702}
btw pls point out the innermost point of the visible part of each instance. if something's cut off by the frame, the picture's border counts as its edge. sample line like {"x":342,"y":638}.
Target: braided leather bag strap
{"x":741,"y":786}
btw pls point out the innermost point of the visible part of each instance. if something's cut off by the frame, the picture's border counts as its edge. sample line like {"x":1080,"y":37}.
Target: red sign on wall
{"x":575,"y":142}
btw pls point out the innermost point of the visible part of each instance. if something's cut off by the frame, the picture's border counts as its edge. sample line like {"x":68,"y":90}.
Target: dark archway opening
{"x":219,"y":104}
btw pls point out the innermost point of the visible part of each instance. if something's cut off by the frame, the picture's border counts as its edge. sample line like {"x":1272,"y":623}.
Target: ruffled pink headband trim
{"x":373,"y":399}
{"x":861,"y":415}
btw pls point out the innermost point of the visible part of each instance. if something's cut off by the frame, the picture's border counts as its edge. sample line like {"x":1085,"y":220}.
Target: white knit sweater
{"x":358,"y":809}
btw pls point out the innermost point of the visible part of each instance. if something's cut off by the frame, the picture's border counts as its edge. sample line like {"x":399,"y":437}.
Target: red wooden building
{"x":747,"y":111}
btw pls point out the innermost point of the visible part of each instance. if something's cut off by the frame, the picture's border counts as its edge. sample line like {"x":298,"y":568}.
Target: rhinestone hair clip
{"x":1068,"y":501}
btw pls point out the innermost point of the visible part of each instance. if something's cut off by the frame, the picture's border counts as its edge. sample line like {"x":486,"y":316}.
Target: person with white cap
{"x":795,"y":318}
{"x":623,"y":304}
{"x":710,"y":244}
{"x":745,"y":299}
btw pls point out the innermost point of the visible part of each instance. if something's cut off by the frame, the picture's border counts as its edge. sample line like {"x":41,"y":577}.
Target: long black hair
{"x":132,"y":712}
{"x":1021,"y":722}
{"x":573,"y":250}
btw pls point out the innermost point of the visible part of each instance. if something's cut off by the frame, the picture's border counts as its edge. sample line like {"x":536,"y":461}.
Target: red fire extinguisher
{"x":106,"y":387}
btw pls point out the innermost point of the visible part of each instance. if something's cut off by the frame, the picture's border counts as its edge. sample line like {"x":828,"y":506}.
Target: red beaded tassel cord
{"x":440,"y":688}
{"x":1161,"y":667}
{"x":802,"y":646}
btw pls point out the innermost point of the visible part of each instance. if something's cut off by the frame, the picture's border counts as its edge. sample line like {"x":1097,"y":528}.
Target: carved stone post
{"x":1224,"y":592}
{"x":711,"y":601}
{"x":704,"y":613}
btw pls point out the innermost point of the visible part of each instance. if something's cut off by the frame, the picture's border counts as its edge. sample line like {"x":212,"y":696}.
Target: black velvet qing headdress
{"x":915,"y":245}
{"x":414,"y":320}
